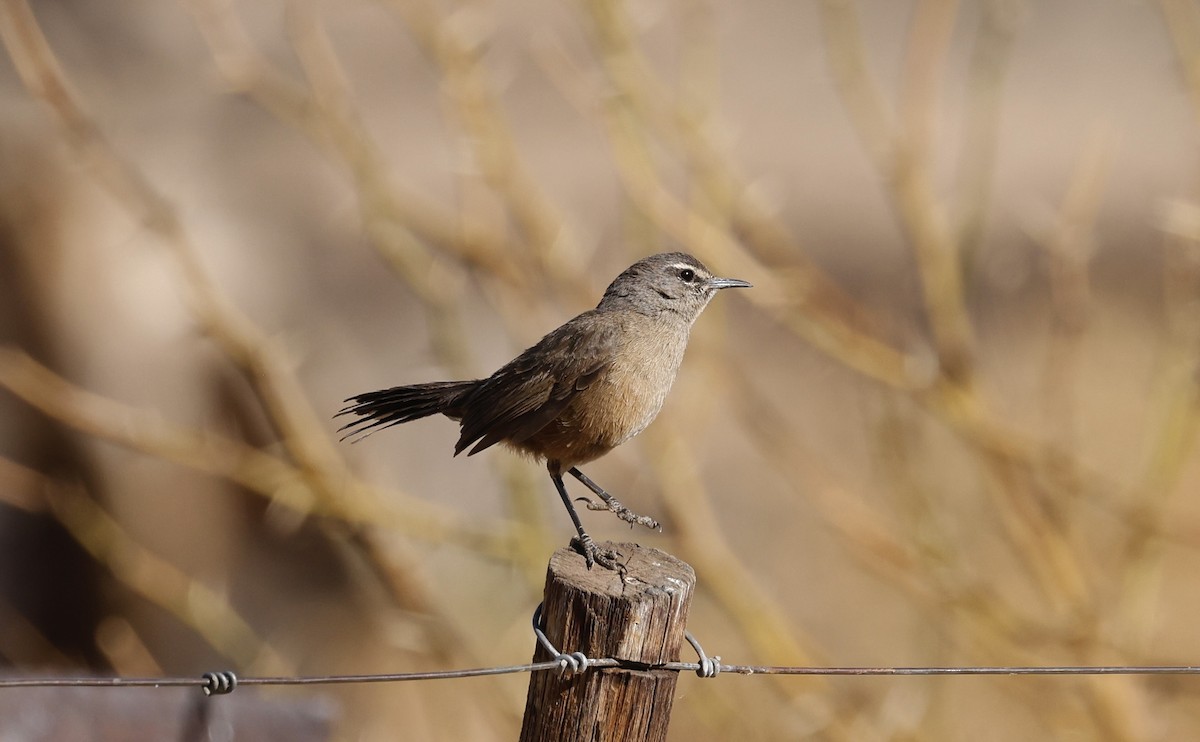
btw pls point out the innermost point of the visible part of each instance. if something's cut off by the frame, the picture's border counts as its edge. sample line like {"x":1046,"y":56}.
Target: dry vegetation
{"x":954,"y":423}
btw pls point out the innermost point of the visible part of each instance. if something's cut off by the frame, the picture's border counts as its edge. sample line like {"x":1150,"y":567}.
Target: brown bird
{"x":582,"y":390}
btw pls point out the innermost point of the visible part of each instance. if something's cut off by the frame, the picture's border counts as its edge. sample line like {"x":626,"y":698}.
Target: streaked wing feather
{"x":536,"y":387}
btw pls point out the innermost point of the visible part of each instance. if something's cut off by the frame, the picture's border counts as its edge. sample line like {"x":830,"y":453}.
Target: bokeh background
{"x":954,"y":423}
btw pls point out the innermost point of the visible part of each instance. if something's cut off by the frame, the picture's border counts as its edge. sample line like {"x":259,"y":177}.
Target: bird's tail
{"x":400,"y":404}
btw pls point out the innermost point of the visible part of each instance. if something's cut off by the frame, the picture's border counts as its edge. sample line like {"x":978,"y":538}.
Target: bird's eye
{"x":688,"y":275}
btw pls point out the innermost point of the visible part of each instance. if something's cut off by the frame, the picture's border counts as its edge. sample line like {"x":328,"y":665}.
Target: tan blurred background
{"x":954,"y":423}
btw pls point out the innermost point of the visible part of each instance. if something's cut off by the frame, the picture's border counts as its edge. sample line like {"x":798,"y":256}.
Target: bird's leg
{"x":611,"y":504}
{"x":583,"y":543}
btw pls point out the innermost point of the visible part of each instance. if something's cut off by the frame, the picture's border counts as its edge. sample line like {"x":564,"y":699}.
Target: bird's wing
{"x":534,"y":388}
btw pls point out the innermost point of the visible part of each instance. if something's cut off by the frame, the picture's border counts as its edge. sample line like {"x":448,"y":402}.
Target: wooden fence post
{"x":639,"y":617}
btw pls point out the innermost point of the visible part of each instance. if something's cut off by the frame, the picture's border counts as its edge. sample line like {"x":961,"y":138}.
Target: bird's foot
{"x":607,"y":558}
{"x":613,"y":506}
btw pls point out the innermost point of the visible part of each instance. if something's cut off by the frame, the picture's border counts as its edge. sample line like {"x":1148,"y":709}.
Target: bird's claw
{"x":613,"y":506}
{"x":607,"y":558}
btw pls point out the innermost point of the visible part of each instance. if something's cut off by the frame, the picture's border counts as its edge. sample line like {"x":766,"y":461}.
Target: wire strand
{"x":119,"y":682}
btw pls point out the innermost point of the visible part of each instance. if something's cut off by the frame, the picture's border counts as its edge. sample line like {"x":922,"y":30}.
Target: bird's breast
{"x":627,"y":399}
{"x":617,"y":404}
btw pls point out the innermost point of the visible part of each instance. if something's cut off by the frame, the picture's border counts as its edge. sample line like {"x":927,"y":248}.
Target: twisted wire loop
{"x":709,"y":667}
{"x":219,"y":683}
{"x":573,"y":662}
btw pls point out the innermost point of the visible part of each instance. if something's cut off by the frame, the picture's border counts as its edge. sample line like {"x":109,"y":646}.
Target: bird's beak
{"x":729,"y":283}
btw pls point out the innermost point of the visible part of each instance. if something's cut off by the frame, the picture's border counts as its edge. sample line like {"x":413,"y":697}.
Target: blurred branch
{"x":989,"y":63}
{"x":938,"y":580}
{"x":22,"y":643}
{"x":861,"y":95}
{"x":255,"y":470}
{"x":1038,"y":539}
{"x":1014,"y":461}
{"x":421,"y":239}
{"x":1172,"y":439}
{"x":699,"y":65}
{"x":407,"y":230}
{"x":416,"y":235}
{"x":125,"y":650}
{"x":19,"y":485}
{"x":203,"y":609}
{"x":456,"y":43}
{"x":797,"y":294}
{"x":755,"y":611}
{"x":260,"y":357}
{"x":1069,"y":247}
{"x":544,"y":258}
{"x":902,"y":158}
{"x":1037,"y":534}
{"x":1182,"y":18}
{"x":906,"y":169}
{"x":925,"y":59}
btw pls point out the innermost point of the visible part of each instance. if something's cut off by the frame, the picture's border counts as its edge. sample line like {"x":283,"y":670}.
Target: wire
{"x":206,"y":682}
{"x":225,"y":681}
{"x":892,"y":671}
